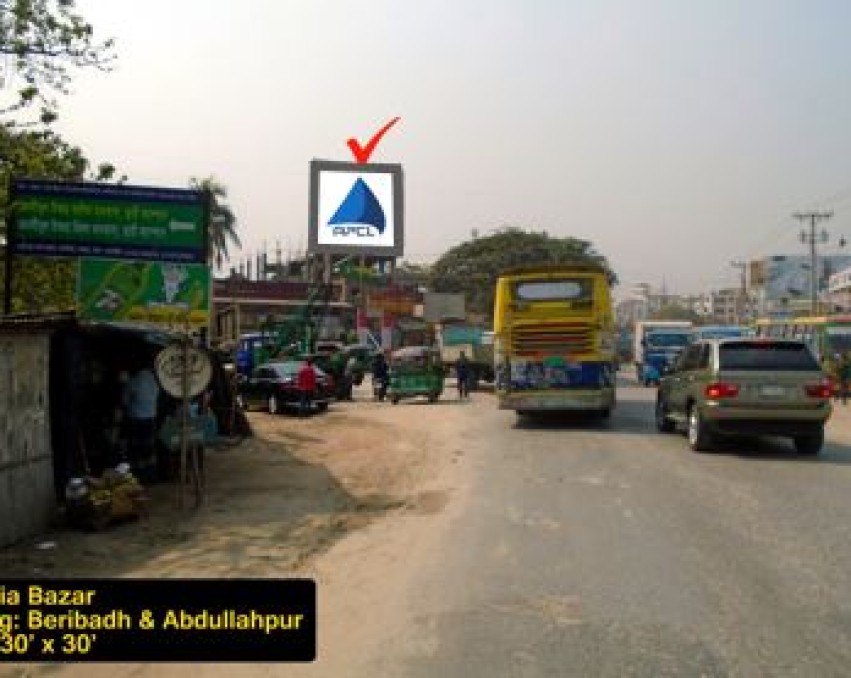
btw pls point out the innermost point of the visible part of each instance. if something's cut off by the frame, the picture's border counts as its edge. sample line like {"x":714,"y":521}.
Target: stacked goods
{"x":93,"y":503}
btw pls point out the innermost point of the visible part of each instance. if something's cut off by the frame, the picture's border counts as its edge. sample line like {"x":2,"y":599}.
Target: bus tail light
{"x":721,"y":389}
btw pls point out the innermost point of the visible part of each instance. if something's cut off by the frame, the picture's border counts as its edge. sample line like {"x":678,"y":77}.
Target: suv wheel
{"x":663,"y":424}
{"x":699,"y":438}
{"x":810,"y":444}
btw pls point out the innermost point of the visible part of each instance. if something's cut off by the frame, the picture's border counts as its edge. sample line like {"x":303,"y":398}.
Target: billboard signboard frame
{"x":79,"y":219}
{"x":356,"y":208}
{"x":148,"y":292}
{"x":441,"y":306}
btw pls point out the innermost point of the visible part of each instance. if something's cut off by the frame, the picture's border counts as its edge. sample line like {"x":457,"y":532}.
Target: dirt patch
{"x":353,"y":498}
{"x":273,"y":502}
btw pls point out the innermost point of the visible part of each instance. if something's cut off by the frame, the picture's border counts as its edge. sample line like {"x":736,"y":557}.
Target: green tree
{"x":473,"y":266}
{"x":413,"y":273}
{"x":42,"y":284}
{"x":46,"y":40}
{"x":222,"y":220}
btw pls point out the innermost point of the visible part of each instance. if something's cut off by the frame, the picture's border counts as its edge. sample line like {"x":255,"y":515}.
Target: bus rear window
{"x":553,"y":290}
{"x":766,"y":355}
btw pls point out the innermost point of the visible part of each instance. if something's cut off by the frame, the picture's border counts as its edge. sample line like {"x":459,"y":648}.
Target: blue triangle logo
{"x":360,"y":207}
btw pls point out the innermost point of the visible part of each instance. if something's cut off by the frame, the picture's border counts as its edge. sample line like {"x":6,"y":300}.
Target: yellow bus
{"x":554,"y":339}
{"x":829,"y":336}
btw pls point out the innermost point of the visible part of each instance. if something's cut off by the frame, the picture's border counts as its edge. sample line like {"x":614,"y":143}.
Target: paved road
{"x":611,"y":550}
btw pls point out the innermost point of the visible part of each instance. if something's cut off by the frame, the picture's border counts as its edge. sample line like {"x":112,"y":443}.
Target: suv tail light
{"x":721,"y":389}
{"x":823,"y":389}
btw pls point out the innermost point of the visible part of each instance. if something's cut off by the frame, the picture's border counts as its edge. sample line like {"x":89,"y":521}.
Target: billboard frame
{"x":395,"y":170}
{"x":94,"y":246}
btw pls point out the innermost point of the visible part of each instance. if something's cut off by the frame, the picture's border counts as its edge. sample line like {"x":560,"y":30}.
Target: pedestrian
{"x":349,"y":377}
{"x":140,"y":399}
{"x":844,"y":376}
{"x":306,"y":383}
{"x":380,"y":375}
{"x":462,"y":374}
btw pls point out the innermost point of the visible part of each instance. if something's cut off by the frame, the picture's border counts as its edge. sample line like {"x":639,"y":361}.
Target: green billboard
{"x":111,"y":221}
{"x":144,"y":292}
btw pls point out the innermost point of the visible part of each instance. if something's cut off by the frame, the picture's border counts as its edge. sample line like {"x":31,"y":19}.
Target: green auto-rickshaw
{"x":415,"y":371}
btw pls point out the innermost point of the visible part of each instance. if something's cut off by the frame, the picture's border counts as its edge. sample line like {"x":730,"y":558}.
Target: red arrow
{"x":362,"y":153}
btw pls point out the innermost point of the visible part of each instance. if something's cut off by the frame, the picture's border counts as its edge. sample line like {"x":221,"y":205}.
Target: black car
{"x":274,"y":386}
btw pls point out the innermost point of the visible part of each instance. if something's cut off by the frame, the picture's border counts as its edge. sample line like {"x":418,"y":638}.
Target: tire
{"x":605,"y":413}
{"x":810,"y":445}
{"x":699,"y":437}
{"x":272,"y":404}
{"x":432,"y":397}
{"x":663,"y":424}
{"x":321,"y":406}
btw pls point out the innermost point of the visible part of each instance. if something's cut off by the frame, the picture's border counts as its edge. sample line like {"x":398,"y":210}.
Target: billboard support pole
{"x":7,"y":278}
{"x":8,"y":260}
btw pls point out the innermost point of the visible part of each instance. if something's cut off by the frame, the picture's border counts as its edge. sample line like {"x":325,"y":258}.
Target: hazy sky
{"x":676,"y":135}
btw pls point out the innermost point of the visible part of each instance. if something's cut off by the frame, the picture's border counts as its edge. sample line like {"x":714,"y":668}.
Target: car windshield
{"x":768,"y":355}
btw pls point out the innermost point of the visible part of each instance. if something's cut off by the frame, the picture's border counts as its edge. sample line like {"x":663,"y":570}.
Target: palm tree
{"x":222,"y":220}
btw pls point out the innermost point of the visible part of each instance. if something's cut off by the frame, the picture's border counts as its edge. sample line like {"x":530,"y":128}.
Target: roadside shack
{"x":61,"y":384}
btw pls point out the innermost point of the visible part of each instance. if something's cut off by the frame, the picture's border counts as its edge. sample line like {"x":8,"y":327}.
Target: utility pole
{"x":741,"y":307}
{"x":811,"y":239}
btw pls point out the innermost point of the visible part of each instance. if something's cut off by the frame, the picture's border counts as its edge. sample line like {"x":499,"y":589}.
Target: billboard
{"x":53,"y":218}
{"x":356,"y":208}
{"x":788,"y":276}
{"x":145,"y":292}
{"x":440,"y":306}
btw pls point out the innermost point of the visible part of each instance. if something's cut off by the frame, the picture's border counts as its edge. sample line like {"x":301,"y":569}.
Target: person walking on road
{"x":306,"y":383}
{"x":462,"y":374}
{"x":844,"y":376}
{"x":380,"y":375}
{"x":349,"y":377}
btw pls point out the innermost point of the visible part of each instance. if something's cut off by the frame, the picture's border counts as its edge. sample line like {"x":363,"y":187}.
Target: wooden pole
{"x":184,"y":421}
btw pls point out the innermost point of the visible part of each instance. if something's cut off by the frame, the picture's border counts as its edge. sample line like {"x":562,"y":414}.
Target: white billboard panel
{"x":440,"y":306}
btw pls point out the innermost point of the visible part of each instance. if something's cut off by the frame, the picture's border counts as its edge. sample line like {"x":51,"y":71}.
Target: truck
{"x":656,"y":343}
{"x":477,"y":346}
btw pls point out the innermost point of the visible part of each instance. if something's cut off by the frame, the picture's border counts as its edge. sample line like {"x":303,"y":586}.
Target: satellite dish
{"x":170,"y":367}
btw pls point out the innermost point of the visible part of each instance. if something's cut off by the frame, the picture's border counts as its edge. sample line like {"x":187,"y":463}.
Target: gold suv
{"x":749,"y":386}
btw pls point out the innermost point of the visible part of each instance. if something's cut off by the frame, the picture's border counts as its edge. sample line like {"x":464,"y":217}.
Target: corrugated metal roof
{"x":28,"y":322}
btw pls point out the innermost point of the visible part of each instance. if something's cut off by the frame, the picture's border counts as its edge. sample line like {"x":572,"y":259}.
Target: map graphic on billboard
{"x":102,"y":220}
{"x":144,"y":292}
{"x":356,"y":208}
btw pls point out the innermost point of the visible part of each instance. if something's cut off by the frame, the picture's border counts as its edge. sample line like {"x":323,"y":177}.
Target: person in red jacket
{"x":306,"y":382}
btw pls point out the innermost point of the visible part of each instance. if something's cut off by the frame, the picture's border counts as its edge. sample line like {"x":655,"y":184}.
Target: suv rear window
{"x":768,"y":355}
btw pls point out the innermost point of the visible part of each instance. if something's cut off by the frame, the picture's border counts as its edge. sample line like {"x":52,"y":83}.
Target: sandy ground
{"x":352,"y":497}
